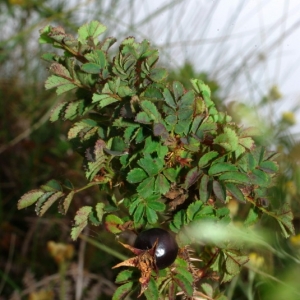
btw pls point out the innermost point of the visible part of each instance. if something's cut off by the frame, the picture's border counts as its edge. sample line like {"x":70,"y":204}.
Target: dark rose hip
{"x":166,"y":250}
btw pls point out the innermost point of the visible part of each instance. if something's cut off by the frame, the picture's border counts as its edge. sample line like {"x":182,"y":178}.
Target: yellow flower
{"x":295,"y":240}
{"x":288,"y":118}
{"x":60,"y":252}
{"x":256,"y":260}
{"x":274,"y":93}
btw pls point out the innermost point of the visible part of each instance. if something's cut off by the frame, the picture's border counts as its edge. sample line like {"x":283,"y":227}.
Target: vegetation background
{"x":247,"y":73}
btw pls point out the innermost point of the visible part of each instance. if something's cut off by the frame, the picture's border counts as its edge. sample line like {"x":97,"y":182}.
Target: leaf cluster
{"x":159,"y":152}
{"x":169,"y":282}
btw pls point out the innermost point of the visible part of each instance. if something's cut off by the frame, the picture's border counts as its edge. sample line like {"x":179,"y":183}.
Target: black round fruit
{"x":166,"y":250}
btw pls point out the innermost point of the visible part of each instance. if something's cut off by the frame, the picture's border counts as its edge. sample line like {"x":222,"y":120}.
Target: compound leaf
{"x":284,"y":217}
{"x":91,"y":68}
{"x":151,"y":110}
{"x":206,"y":158}
{"x":221,"y":167}
{"x":247,"y":142}
{"x":162,"y":185}
{"x":228,"y":140}
{"x":233,"y":264}
{"x":151,"y":215}
{"x":160,"y":130}
{"x":169,"y":98}
{"x":158,"y":74}
{"x":235,"y":191}
{"x":156,"y":205}
{"x":178,"y":90}
{"x":60,"y":70}
{"x":203,"y":190}
{"x":105,"y":99}
{"x":192,"y":177}
{"x":62,"y":85}
{"x":100,"y":211}
{"x":90,"y":30}
{"x":122,"y":291}
{"x":269,"y":166}
{"x":193,"y":209}
{"x":143,"y":117}
{"x":112,"y":224}
{"x":49,"y":202}
{"x":97,"y":57}
{"x":107,"y":43}
{"x":42,"y":200}
{"x":151,"y":292}
{"x":151,"y":165}
{"x":29,"y":198}
{"x":150,"y":145}
{"x":67,"y":201}
{"x":260,"y":178}
{"x":178,"y":221}
{"x":219,"y":190}
{"x":81,"y":221}
{"x":44,"y":32}
{"x":184,"y":284}
{"x":235,"y":177}
{"x":252,"y":217}
{"x":203,"y":89}
{"x":184,"y":271}
{"x":136,"y":175}
{"x":171,"y":174}
{"x":99,"y":158}
{"x":186,"y":102}
{"x":124,"y":276}
{"x":139,"y":213}
{"x":146,"y":187}
{"x":57,"y":111}
{"x":74,"y":109}
{"x":51,"y":186}
{"x":209,"y":291}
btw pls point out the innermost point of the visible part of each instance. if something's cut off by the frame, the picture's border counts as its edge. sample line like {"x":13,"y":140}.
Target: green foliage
{"x":161,"y":154}
{"x":178,"y":280}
